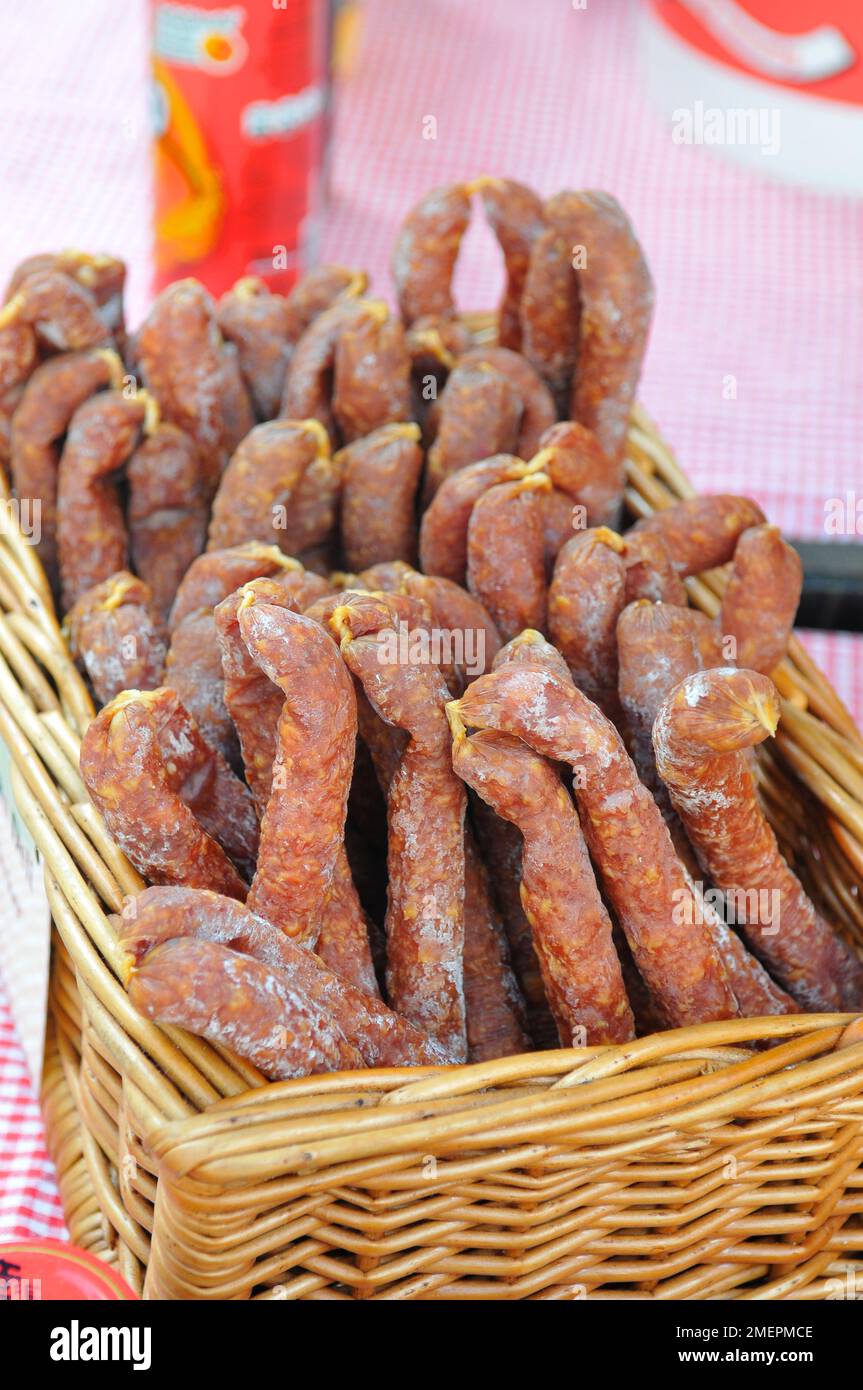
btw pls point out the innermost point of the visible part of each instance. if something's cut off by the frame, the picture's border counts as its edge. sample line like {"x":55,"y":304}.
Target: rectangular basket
{"x":683,"y":1165}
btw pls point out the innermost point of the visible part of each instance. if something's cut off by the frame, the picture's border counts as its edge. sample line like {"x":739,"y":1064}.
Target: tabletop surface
{"x":755,"y":366}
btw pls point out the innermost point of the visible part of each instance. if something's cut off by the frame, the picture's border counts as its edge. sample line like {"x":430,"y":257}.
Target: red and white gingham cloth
{"x":756,"y":281}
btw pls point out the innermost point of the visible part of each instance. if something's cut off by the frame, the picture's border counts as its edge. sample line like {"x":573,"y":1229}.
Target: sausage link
{"x":506,"y":554}
{"x":515,"y":215}
{"x":760,"y":601}
{"x":101,"y":275}
{"x":629,"y":843}
{"x":10,"y":399}
{"x":700,"y":737}
{"x":494,"y":1008}
{"x":193,"y":668}
{"x":19,"y":354}
{"x":571,"y":927}
{"x":585,"y":599}
{"x":302,"y":832}
{"x":500,"y":842}
{"x":549,"y":314}
{"x":215,"y":796}
{"x":217,"y":573}
{"x":180,"y":354}
{"x":163,"y":914}
{"x":657,"y":649}
{"x":259,"y":495}
{"x":129,"y":779}
{"x":479,"y":414}
{"x":371,"y":373}
{"x":317,"y":291}
{"x":167,"y":512}
{"x":118,"y":636}
{"x":62,"y":312}
{"x":238,"y":416}
{"x":443,"y":530}
{"x":307,"y":393}
{"x":615,"y":294}
{"x":434,"y":344}
{"x":538,"y":411}
{"x":381,"y":476}
{"x":650,"y":573}
{"x":253,"y":702}
{"x":425,"y":807}
{"x":92,"y":540}
{"x":258,"y":323}
{"x":702,"y":532}
{"x":425,"y":252}
{"x":241,"y":1004}
{"x":49,"y":401}
{"x":574,"y":460}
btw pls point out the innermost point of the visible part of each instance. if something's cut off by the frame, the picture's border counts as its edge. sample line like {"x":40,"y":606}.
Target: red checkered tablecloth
{"x":755,"y":369}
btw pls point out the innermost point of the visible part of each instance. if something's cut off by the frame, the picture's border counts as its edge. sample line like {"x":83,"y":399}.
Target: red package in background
{"x":241,"y":98}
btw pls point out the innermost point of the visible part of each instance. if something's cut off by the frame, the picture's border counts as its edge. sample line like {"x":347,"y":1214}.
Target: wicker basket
{"x":684,"y":1165}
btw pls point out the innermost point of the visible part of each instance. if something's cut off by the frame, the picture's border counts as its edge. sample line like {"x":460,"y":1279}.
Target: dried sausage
{"x":118,"y":636}
{"x":571,"y":927}
{"x":644,"y":880}
{"x":217,"y":573}
{"x":615,"y":293}
{"x":371,"y":373}
{"x":658,"y":648}
{"x":302,"y":832}
{"x":92,"y":540}
{"x":380,"y":478}
{"x":251,"y":699}
{"x":479,"y":414}
{"x":258,"y":323}
{"x":49,"y":400}
{"x":241,"y":1004}
{"x":425,"y":252}
{"x":163,"y":914}
{"x":460,"y":621}
{"x":127,"y":776}
{"x":549,"y":313}
{"x":180,"y":353}
{"x":167,"y":511}
{"x":318,"y":290}
{"x":443,"y":530}
{"x":702,"y":532}
{"x":515,"y":215}
{"x":425,"y":807}
{"x":259,"y":494}
{"x":760,"y":600}
{"x":63,"y":314}
{"x":308,"y":384}
{"x":494,"y":1008}
{"x":700,"y":737}
{"x":506,"y":553}
{"x":538,"y":411}
{"x":585,"y":599}
{"x":574,"y":460}
{"x":103,"y":276}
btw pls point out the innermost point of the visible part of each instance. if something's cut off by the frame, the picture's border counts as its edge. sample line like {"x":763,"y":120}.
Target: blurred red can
{"x":241,"y":97}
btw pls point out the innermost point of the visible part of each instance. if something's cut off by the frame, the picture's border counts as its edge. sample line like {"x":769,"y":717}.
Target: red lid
{"x":41,"y":1270}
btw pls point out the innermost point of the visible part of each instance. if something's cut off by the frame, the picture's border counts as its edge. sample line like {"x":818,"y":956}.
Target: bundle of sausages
{"x":352,"y":594}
